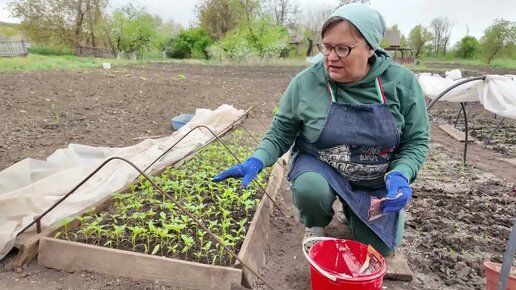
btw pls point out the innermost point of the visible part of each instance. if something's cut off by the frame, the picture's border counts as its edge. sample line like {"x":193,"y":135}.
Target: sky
{"x":467,"y":16}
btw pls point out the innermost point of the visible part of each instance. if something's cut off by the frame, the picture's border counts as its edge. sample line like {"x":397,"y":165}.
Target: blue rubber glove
{"x":248,"y":169}
{"x":396,"y":183}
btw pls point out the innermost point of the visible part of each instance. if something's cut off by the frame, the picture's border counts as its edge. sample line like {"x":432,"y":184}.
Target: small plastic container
{"x":493,"y":276}
{"x":181,"y":120}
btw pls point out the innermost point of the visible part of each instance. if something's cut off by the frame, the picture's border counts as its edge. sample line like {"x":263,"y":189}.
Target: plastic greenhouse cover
{"x":497,"y":93}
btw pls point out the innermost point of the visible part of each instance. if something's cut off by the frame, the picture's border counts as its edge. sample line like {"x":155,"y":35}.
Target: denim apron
{"x":353,"y":152}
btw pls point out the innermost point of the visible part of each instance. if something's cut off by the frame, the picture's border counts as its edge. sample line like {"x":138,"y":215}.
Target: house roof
{"x":393,"y":38}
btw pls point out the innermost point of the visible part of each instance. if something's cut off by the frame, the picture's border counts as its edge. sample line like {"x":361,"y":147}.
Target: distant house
{"x":400,"y":54}
{"x":12,"y":47}
{"x":296,"y":38}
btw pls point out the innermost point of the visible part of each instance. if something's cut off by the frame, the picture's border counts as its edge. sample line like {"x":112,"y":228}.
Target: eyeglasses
{"x":341,"y":50}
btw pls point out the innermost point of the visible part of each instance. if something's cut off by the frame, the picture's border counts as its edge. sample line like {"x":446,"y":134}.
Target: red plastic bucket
{"x":337,"y":264}
{"x":493,"y":276}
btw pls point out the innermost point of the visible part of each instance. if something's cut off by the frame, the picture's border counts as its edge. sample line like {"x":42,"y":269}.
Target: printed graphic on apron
{"x":356,"y":162}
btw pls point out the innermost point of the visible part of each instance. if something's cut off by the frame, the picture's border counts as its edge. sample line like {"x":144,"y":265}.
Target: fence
{"x":13,"y":48}
{"x":86,"y":51}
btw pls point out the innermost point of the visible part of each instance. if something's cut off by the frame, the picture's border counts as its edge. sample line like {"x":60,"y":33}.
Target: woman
{"x":360,"y":130}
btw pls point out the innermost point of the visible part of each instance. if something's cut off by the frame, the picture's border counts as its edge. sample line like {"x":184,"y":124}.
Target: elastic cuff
{"x":263,"y":156}
{"x":392,"y":171}
{"x":405,"y":170}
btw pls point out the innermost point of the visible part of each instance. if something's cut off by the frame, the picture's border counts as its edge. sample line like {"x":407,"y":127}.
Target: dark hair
{"x":334,"y":20}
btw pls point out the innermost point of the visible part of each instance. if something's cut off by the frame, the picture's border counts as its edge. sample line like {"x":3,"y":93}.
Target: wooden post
{"x":24,"y":48}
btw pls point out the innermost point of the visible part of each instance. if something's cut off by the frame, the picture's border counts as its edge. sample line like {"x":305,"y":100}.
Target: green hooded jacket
{"x":306,"y":102}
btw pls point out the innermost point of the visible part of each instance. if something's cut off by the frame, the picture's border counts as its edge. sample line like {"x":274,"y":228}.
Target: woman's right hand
{"x":248,"y":169}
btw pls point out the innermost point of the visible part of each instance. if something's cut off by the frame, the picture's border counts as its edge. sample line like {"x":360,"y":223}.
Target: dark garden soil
{"x":44,"y":111}
{"x":459,"y":217}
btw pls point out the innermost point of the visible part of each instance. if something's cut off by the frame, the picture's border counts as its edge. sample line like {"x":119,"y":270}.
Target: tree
{"x":95,"y":17}
{"x":165,"y":33}
{"x":283,"y":11}
{"x":344,"y":2}
{"x":442,"y":29}
{"x":134,"y":30}
{"x":218,"y":17}
{"x":265,"y":40}
{"x":497,"y":37}
{"x":314,"y":19}
{"x":395,"y":28}
{"x":418,"y":37}
{"x":468,"y":47}
{"x":510,"y":51}
{"x":64,"y":22}
{"x":11,"y":30}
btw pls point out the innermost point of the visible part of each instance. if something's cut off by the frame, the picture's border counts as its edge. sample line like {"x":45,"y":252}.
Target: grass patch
{"x":50,"y":51}
{"x":497,"y":63}
{"x":35,"y":62}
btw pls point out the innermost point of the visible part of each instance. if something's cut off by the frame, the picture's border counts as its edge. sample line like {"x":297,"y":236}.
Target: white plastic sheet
{"x":31,"y":186}
{"x":496,"y":93}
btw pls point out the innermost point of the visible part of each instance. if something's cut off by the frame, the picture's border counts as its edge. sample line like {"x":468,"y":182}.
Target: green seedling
{"x":146,"y":221}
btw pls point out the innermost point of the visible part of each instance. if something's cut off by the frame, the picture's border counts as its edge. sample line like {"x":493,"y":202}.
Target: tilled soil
{"x":459,"y":216}
{"x":43,"y":111}
{"x":482,"y":125}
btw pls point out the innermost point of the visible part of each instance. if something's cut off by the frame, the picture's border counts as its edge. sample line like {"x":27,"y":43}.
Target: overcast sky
{"x":475,"y":15}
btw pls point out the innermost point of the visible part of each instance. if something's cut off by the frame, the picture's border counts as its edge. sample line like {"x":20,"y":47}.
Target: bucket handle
{"x":312,"y":262}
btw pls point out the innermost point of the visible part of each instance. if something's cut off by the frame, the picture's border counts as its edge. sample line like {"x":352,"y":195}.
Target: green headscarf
{"x":366,"y":19}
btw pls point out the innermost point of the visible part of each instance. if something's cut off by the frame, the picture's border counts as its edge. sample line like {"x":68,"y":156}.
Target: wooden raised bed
{"x":27,"y":243}
{"x":73,"y":256}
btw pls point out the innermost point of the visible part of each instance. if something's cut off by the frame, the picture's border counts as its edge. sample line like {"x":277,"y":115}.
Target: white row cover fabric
{"x":496,"y":93}
{"x":29,"y":187}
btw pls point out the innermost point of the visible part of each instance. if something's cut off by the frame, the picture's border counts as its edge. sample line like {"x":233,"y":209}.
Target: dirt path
{"x":477,"y":156}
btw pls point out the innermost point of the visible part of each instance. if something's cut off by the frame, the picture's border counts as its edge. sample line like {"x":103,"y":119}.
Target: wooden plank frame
{"x":73,"y":256}
{"x":455,"y":133}
{"x":27,"y":243}
{"x":398,"y":268}
{"x":252,"y":252}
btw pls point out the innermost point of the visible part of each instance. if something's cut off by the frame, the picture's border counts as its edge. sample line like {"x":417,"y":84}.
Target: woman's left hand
{"x":398,"y":192}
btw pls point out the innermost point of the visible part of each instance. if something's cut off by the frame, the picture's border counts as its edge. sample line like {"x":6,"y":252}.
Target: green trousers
{"x":314,"y":198}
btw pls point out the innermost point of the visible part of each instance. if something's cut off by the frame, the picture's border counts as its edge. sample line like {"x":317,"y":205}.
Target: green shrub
{"x":233,"y":47}
{"x":468,"y":47}
{"x":42,"y":50}
{"x":191,"y":43}
{"x":260,"y":39}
